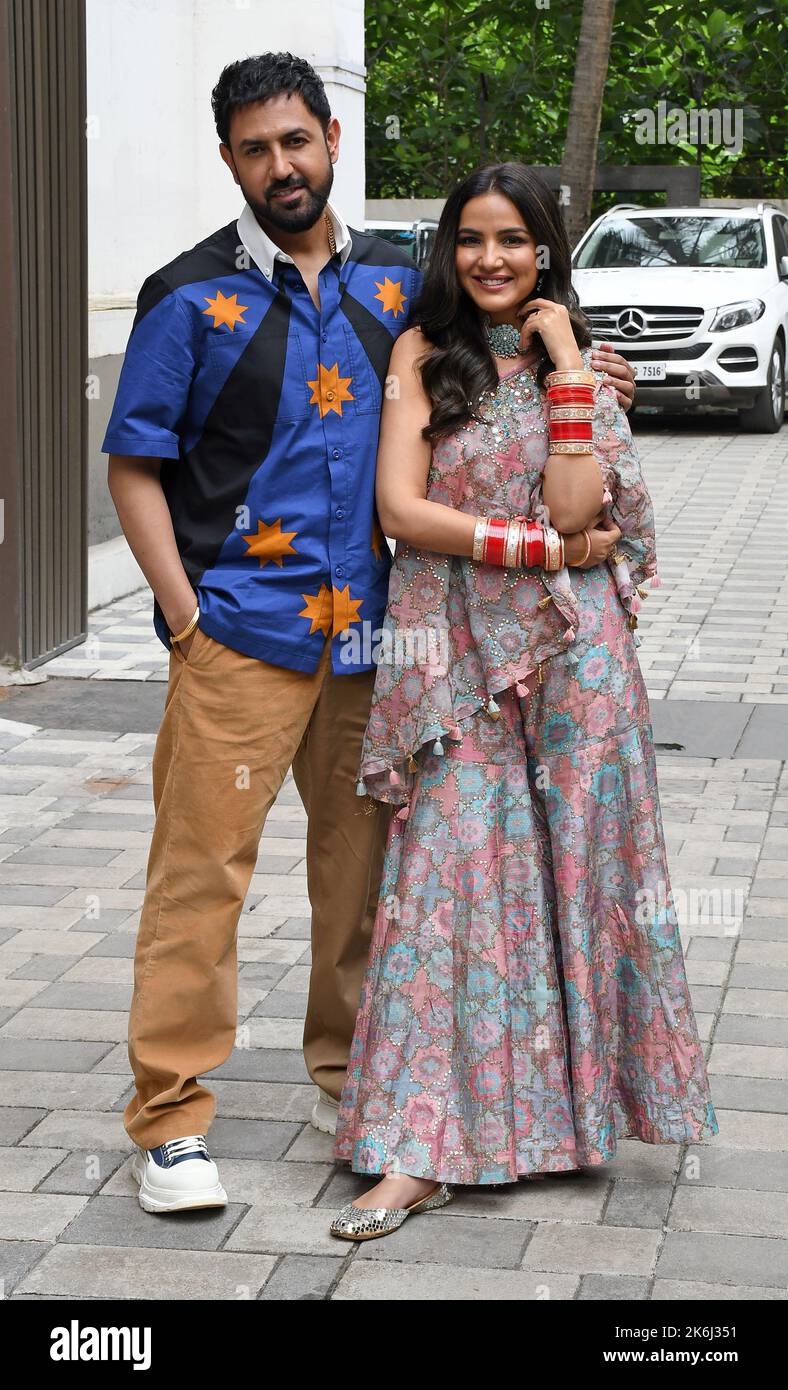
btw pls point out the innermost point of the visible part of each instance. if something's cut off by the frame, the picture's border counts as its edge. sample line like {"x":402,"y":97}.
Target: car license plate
{"x":650,"y":371}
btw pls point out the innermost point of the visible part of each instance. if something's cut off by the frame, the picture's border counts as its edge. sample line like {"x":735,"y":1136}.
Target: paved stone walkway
{"x":659,"y":1223}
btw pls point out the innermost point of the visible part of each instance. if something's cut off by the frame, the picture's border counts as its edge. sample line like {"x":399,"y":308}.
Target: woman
{"x":525,"y":1002}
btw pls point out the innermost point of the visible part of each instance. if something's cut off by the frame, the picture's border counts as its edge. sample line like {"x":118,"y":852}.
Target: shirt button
{"x":324,"y":336}
{"x":336,"y":453}
{"x":329,"y":395}
{"x":340,"y":512}
{"x":340,"y":569}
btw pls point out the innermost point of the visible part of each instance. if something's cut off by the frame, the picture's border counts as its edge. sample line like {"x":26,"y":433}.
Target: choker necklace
{"x":503,"y":338}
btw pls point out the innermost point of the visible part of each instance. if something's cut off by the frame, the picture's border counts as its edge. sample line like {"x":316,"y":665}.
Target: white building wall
{"x":156,"y":183}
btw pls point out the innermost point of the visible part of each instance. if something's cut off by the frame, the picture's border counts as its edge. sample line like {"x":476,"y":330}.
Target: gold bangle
{"x":576,"y":376}
{"x":572,"y":412}
{"x":479,"y":532}
{"x":553,"y":548}
{"x":190,"y":626}
{"x":588,"y":547}
{"x":570,"y":446}
{"x":513,"y":531}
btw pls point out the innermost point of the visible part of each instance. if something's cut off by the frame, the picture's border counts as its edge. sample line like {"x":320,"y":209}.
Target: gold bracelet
{"x":570,"y":446}
{"x":576,"y":376}
{"x":588,"y":547}
{"x":512,"y":545}
{"x":553,"y":549}
{"x":572,"y":412}
{"x":190,"y":626}
{"x":479,"y":533}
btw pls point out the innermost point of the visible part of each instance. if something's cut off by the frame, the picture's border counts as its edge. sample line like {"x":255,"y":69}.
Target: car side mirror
{"x":784,"y":267}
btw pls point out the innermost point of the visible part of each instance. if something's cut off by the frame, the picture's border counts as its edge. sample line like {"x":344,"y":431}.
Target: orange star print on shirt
{"x":225,"y":311}
{"x":329,"y":389}
{"x":271,"y":542}
{"x":331,"y":609}
{"x":391,"y":296}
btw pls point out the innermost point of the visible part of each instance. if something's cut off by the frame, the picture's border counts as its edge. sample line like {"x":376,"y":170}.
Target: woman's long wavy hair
{"x":460,"y":366}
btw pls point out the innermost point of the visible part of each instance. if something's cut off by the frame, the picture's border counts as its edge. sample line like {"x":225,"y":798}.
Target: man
{"x":242,"y":442}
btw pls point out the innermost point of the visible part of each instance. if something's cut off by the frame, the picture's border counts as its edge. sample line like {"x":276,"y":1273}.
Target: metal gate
{"x":43,"y":350}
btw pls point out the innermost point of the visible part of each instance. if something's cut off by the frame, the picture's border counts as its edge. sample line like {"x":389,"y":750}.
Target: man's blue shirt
{"x":265,"y":412}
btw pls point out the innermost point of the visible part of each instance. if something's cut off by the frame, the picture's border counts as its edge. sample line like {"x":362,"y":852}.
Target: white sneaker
{"x":178,"y":1175}
{"x":324,"y":1112}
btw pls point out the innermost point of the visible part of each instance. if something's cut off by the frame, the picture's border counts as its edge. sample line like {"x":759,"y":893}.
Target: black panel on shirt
{"x":234,"y":443}
{"x":215,"y":256}
{"x":374,"y":335}
{"x":372,"y":250}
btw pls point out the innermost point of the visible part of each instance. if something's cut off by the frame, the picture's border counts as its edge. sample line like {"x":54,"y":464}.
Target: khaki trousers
{"x":232,"y":727}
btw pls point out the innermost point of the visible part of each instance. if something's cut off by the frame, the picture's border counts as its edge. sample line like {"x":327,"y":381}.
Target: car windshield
{"x":401,"y":236}
{"x":625,"y":242}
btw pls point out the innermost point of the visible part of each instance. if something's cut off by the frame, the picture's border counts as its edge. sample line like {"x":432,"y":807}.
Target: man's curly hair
{"x":261,"y":77}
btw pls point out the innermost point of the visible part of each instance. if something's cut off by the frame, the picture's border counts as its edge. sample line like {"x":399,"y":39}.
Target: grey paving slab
{"x":750,"y":1093}
{"x":294,"y":1231}
{"x":592,"y":1249}
{"x":612,"y":1288}
{"x":120,"y":1221}
{"x":730,"y":1211}
{"x":723,"y":1259}
{"x":474,"y":1242}
{"x":699,"y":729}
{"x":391,"y":1281}
{"x":40,"y":968}
{"x":745,"y":1169}
{"x":17,"y":1121}
{"x":142,"y":1272}
{"x":27,"y":1054}
{"x":263,"y":1064}
{"x":687,"y":1291}
{"x":301,"y":1277}
{"x":84,"y":1172}
{"x":80,"y":996}
{"x":17,"y":1258}
{"x":765,"y":734}
{"x":638,"y":1204}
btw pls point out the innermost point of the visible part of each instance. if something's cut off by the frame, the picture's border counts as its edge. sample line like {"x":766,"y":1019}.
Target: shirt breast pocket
{"x":225,"y":349}
{"x":296,"y":393}
{"x":367,"y":395}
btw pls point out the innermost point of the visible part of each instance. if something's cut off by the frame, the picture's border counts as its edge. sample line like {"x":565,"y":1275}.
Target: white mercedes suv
{"x":697,"y":300}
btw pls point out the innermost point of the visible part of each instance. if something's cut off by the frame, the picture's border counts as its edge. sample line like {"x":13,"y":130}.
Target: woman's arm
{"x":572,"y":486}
{"x":403,"y":466}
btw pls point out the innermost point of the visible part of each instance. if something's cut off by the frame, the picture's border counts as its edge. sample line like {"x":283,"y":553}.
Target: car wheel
{"x":766,"y":415}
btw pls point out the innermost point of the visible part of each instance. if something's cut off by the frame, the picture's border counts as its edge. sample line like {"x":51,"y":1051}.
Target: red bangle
{"x":584,"y":394}
{"x":532,"y":552}
{"x":495,"y":542}
{"x":570,"y":429}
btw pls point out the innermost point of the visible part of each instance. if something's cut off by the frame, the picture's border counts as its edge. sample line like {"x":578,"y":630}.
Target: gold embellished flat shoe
{"x":367,"y":1223}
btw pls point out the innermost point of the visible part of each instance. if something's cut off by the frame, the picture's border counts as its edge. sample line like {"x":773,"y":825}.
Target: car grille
{"x":738,"y":359}
{"x":657,"y":321}
{"x":682,"y":354}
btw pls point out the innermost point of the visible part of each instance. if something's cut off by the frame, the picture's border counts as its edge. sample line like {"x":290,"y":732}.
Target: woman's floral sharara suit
{"x":525,"y":1003}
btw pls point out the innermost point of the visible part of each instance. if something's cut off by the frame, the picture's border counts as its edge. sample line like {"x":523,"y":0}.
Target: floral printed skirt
{"x":525,"y":1001}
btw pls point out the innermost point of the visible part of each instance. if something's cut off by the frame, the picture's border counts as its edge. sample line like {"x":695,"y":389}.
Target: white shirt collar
{"x":264,"y":251}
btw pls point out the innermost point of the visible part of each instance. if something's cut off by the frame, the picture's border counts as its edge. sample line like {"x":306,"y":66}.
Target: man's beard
{"x":312,"y":203}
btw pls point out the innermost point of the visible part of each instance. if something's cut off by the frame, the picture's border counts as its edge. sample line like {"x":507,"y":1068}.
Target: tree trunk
{"x":585,"y":113}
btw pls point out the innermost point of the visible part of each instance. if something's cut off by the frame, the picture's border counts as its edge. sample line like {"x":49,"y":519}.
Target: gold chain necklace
{"x":332,"y":241}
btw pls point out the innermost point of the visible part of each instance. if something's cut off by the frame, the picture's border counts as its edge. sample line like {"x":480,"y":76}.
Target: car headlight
{"x":736,"y":315}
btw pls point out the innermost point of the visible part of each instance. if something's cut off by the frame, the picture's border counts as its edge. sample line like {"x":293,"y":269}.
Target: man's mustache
{"x":284,"y":188}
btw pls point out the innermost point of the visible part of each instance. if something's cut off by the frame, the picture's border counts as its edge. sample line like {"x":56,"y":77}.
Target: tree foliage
{"x":456,"y":83}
